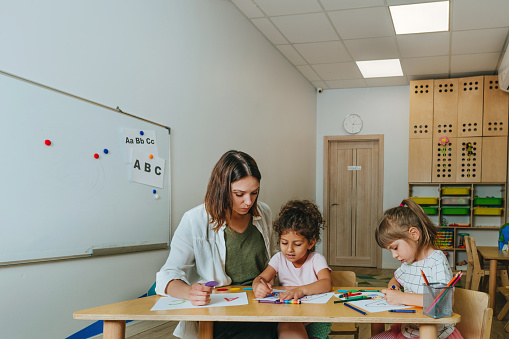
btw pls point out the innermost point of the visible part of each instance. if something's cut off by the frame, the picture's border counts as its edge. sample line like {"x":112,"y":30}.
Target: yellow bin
{"x":488,"y":210}
{"x":425,"y":200}
{"x":455,"y":190}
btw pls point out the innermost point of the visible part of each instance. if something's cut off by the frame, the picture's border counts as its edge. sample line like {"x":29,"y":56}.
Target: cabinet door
{"x":494,"y":159}
{"x":470,"y":106}
{"x":419,"y":160}
{"x":445,"y":106}
{"x":421,"y":109}
{"x":469,"y":154}
{"x":444,"y":161}
{"x":496,"y":107}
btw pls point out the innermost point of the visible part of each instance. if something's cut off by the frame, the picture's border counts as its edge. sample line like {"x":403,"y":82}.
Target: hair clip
{"x":402,"y":205}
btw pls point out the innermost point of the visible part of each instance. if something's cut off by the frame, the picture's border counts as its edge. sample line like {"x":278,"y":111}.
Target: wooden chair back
{"x":470,"y":263}
{"x":476,"y":316}
{"x":344,"y":278}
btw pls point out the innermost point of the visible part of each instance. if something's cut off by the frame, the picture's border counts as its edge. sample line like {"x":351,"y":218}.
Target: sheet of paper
{"x":378,"y":304}
{"x":309,"y":299}
{"x":216,"y":300}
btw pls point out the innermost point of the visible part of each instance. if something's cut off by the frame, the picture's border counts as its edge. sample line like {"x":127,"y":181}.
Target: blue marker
{"x":355,"y":308}
{"x":403,"y":311}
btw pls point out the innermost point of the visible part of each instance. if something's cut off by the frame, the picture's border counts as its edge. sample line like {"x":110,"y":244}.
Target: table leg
{"x":493,"y":283}
{"x":114,"y":329}
{"x":377,"y":328}
{"x":206,"y":330}
{"x":428,"y":331}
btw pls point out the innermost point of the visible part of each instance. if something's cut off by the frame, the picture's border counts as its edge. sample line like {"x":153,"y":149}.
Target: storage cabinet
{"x":459,"y":209}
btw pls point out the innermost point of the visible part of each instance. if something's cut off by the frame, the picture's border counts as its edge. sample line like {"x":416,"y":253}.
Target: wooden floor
{"x":160,"y":330}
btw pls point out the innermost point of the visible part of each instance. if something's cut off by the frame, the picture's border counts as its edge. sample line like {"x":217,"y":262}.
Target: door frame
{"x":379,"y":206}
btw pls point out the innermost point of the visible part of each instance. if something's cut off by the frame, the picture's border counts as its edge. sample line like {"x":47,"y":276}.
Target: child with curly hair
{"x":299,"y":268}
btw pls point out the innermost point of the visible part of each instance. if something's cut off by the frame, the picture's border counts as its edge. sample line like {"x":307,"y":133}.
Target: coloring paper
{"x":309,"y":299}
{"x":216,"y":300}
{"x":378,"y":304}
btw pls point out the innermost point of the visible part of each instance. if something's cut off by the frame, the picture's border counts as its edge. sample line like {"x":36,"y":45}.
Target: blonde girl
{"x":410,"y":235}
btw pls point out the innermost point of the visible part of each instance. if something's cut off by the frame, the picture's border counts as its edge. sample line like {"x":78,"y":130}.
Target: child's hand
{"x":393,"y":296}
{"x":295,"y":293}
{"x":262,"y":289}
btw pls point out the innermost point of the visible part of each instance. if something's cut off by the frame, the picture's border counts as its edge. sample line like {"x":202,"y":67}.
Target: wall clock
{"x":352,"y":123}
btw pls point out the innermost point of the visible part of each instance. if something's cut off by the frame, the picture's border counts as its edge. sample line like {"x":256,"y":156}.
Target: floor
{"x":365,"y":277}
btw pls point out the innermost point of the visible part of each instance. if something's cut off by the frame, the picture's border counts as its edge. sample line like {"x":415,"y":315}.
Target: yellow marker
{"x":235,"y":289}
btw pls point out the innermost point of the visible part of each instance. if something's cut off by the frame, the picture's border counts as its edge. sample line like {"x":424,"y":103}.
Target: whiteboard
{"x":59,"y":201}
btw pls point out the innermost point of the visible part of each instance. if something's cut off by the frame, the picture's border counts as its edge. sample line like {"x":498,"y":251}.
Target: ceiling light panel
{"x":421,"y":18}
{"x":380,"y":68}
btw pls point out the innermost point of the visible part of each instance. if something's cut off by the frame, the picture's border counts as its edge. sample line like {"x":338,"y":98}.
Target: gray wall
{"x":199,"y":67}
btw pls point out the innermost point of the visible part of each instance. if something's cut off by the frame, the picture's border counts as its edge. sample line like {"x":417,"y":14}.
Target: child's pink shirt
{"x":289,"y":275}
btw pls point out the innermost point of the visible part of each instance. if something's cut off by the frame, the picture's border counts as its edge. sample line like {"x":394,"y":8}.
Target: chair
{"x":346,"y":279}
{"x":470,"y":263}
{"x":503,"y":312}
{"x":476,"y":316}
{"x":478,"y":272}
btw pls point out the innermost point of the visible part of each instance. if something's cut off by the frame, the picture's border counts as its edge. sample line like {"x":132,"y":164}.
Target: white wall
{"x":198,"y":66}
{"x":384,"y":110}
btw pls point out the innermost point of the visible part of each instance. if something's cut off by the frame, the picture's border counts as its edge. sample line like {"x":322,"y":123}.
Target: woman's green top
{"x":246,"y":255}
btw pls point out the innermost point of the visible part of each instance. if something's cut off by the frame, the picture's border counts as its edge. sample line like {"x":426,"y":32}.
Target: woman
{"x":228,"y":239}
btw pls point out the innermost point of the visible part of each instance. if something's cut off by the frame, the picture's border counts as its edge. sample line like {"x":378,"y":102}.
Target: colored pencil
{"x":424,"y":277}
{"x":355,"y":308}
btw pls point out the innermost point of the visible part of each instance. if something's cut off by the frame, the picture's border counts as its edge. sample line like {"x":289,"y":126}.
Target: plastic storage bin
{"x":455,"y":190}
{"x":455,"y":201}
{"x":456,"y":210}
{"x":430,"y":210}
{"x":488,"y":210}
{"x":488,"y":201}
{"x":425,"y":200}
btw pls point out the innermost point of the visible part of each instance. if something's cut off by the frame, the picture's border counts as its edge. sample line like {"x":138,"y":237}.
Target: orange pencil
{"x":424,"y":277}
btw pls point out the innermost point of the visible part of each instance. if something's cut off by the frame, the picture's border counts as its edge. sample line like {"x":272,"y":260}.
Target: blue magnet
{"x":105,"y":151}
{"x":141,"y":133}
{"x":154,"y":191}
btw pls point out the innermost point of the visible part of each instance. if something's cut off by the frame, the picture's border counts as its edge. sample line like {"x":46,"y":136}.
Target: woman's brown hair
{"x":397,"y":221}
{"x":232,"y":166}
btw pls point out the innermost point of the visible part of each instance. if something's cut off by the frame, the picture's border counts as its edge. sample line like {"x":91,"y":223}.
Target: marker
{"x":402,"y":311}
{"x":355,"y":308}
{"x":291,"y":301}
{"x":361,"y":297}
{"x":369,"y":290}
{"x":211,"y":283}
{"x":352,"y":294}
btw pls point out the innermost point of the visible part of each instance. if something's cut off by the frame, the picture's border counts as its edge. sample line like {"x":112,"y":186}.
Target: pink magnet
{"x":47,"y":142}
{"x":96,"y":156}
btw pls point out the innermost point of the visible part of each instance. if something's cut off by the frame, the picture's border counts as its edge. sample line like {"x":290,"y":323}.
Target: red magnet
{"x":96,"y":156}
{"x":47,"y":142}
{"x":222,"y":289}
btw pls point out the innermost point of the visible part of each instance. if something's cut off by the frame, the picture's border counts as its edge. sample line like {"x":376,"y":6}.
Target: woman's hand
{"x":295,"y":293}
{"x":199,"y":294}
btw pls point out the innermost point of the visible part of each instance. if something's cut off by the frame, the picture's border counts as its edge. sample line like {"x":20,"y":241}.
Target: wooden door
{"x":353,"y":200}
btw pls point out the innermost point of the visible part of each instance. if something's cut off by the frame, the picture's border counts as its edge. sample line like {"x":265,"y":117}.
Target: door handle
{"x":334,"y":204}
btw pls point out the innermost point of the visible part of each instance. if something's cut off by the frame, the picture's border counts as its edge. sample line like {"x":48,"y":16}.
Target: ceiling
{"x":324,"y":38}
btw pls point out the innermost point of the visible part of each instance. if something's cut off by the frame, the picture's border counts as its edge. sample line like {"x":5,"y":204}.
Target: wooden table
{"x":493,"y":254}
{"x":115,"y":315}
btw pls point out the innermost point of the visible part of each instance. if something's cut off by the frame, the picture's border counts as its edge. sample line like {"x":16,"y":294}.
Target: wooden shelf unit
{"x":498,"y":189}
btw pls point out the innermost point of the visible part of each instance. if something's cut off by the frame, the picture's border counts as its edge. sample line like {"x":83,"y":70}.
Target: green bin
{"x":488,"y":201}
{"x":456,"y":210}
